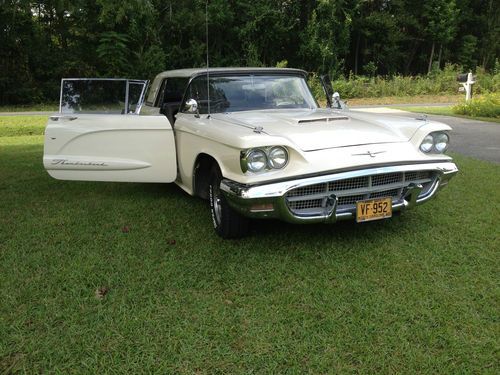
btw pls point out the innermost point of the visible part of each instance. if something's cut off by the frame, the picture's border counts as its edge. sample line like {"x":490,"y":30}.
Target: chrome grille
{"x":348,"y":184}
{"x":386,"y":193}
{"x":387,"y":178}
{"x":310,"y":200}
{"x":305,"y":204}
{"x":417,"y":175}
{"x":352,"y":199}
{"x":308,"y":190}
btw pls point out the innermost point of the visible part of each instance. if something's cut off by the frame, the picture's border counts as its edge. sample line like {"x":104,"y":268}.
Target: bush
{"x":315,"y":85}
{"x":437,"y":83}
{"x":488,"y":105}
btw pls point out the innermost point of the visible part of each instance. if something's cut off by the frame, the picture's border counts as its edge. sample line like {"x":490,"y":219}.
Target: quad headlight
{"x":277,"y":157}
{"x":436,"y":142}
{"x":441,"y":141}
{"x":256,"y":160}
{"x":262,"y":158}
{"x":427,"y":144}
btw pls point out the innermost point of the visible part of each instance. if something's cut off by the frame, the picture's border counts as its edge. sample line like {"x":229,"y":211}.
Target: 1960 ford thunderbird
{"x":253,"y":141}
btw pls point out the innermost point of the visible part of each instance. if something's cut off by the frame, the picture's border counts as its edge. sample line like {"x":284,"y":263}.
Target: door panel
{"x":98,"y":134}
{"x":110,"y":147}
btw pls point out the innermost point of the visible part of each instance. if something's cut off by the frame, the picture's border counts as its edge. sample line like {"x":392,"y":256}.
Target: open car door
{"x":99,"y":134}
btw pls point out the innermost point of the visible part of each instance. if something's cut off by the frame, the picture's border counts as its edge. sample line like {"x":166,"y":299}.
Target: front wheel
{"x":227,"y":222}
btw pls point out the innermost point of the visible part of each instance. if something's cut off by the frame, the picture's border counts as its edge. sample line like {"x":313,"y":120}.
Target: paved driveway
{"x":478,"y":139}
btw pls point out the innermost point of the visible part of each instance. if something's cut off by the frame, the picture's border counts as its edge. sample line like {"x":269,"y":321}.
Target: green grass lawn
{"x":401,"y":99}
{"x":44,"y":107}
{"x":22,"y":125}
{"x":445,"y":111}
{"x":129,"y":278}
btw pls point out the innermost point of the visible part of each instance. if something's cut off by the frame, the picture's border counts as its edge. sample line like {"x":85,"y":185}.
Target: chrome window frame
{"x":128,"y":82}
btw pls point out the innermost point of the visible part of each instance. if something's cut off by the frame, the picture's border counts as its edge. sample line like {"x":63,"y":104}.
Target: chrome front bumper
{"x":269,"y":200}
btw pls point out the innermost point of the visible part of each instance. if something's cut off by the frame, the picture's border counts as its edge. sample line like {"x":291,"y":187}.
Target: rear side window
{"x":175,"y":89}
{"x":172,"y":90}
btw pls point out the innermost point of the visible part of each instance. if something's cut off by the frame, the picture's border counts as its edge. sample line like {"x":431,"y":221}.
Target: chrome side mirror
{"x":192,"y":107}
{"x":336,"y":102}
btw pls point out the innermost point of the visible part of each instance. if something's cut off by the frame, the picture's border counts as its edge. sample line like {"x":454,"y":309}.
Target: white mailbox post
{"x":467,"y":80}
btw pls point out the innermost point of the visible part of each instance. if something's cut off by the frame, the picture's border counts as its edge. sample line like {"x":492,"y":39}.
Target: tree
{"x":325,"y":40}
{"x":440,"y":17}
{"x":43,"y":41}
{"x":377,"y":37}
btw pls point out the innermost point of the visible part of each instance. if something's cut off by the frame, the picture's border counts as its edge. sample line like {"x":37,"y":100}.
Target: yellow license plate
{"x":373,"y":209}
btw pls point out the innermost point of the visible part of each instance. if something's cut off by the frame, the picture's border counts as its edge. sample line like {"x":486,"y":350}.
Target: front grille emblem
{"x":370,"y":154}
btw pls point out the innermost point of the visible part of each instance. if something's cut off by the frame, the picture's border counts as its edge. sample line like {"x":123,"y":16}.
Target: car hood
{"x":323,"y":128}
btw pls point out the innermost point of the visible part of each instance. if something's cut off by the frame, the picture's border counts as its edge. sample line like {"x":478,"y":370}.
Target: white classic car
{"x":253,"y":141}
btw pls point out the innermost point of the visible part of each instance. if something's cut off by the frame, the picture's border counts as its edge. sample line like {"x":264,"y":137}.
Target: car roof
{"x":198,"y":71}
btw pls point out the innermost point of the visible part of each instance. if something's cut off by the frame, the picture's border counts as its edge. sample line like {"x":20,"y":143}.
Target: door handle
{"x":63,"y":117}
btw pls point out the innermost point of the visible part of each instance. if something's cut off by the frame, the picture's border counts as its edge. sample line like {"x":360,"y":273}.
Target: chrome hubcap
{"x":217,"y":205}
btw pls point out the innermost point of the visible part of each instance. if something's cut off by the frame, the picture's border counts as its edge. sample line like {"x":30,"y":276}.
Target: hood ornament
{"x":370,"y":154}
{"x":258,"y":129}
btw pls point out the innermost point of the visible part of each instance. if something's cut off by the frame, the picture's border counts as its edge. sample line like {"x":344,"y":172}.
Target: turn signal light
{"x":263,"y":207}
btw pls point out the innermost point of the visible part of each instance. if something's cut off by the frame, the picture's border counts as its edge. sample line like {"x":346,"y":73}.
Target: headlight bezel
{"x":252,"y":157}
{"x":435,"y":136}
{"x":436,"y":142}
{"x":428,"y":140}
{"x":269,"y":165}
{"x":271,"y":161}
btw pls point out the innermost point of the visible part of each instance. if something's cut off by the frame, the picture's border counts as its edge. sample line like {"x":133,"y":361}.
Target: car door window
{"x":104,"y":96}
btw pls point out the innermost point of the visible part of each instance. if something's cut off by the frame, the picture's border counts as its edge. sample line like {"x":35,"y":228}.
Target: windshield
{"x":250,"y":92}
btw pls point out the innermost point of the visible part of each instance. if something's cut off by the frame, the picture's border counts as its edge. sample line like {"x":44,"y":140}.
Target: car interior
{"x":170,"y":98}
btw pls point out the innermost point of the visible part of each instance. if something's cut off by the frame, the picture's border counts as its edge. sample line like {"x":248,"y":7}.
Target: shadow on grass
{"x":340,"y":230}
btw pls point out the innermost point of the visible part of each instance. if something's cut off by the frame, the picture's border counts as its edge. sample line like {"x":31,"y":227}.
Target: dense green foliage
{"x":437,"y":82}
{"x":42,"y":41}
{"x":484,"y":106}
